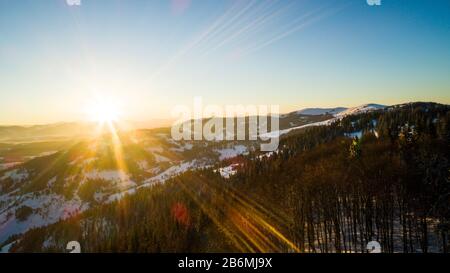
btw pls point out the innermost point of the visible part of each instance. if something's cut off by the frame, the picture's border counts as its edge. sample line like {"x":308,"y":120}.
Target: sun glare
{"x":103,"y":111}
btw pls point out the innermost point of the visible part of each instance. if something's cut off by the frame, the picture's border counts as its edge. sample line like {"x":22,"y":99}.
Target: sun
{"x":103,"y":111}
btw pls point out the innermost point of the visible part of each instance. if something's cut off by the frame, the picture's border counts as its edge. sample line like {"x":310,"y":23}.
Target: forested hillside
{"x":382,"y":176}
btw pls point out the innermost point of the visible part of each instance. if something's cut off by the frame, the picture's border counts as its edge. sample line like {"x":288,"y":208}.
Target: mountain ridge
{"x":152,"y":157}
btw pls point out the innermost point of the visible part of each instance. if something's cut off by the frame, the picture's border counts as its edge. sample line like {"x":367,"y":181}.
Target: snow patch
{"x":6,"y":248}
{"x":279,"y":133}
{"x":47,"y":209}
{"x":51,"y":182}
{"x":5,"y":166}
{"x":154,"y":149}
{"x":227,"y":172}
{"x":181,"y":148}
{"x":361,"y":109}
{"x":160,"y":158}
{"x":16,"y":175}
{"x":232,"y":152}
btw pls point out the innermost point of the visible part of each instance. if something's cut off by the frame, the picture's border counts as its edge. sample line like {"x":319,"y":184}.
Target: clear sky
{"x":149,"y":56}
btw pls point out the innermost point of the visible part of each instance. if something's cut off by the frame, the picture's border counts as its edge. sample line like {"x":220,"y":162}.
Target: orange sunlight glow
{"x":105,"y":112}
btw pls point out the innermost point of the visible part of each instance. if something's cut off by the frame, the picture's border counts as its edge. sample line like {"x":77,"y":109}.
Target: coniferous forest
{"x":326,"y":189}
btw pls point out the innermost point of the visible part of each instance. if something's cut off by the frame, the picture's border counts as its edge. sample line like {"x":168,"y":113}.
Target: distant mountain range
{"x":321,"y":111}
{"x":340,"y":111}
{"x":63,"y":130}
{"x":42,"y":182}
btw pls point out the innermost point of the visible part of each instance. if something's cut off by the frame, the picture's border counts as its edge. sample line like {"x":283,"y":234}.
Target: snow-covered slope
{"x":361,"y":109}
{"x":350,"y":111}
{"x":53,"y":186}
{"x":279,"y":133}
{"x":321,"y":111}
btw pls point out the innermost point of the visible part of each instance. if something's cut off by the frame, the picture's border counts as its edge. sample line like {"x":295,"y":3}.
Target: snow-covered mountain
{"x":332,"y":118}
{"x":340,"y":111}
{"x":43,"y":182}
{"x":361,"y":109}
{"x":321,"y":111}
{"x":44,"y":188}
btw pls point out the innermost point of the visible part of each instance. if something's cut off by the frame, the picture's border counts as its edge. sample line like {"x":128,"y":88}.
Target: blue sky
{"x":152,"y":55}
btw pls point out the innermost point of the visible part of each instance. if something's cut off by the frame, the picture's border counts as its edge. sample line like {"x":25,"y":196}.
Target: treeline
{"x":322,"y":192}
